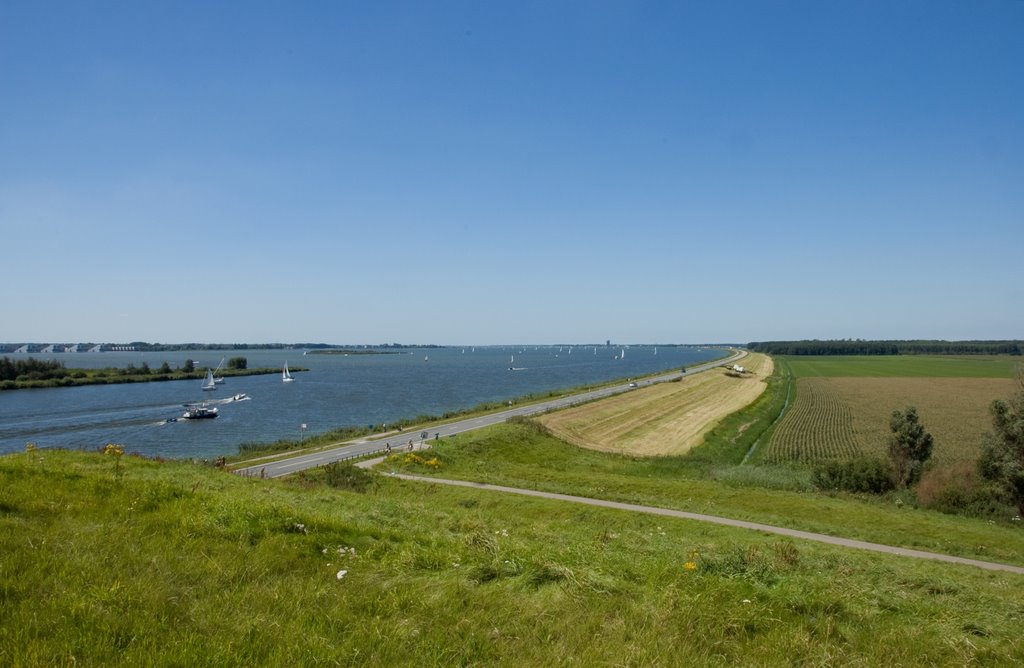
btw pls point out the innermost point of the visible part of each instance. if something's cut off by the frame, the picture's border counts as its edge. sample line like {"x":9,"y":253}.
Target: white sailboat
{"x":209,"y":383}
{"x":286,"y":375}
{"x":218,"y":379}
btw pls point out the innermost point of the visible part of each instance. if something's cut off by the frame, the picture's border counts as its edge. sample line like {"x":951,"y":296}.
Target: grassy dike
{"x":111,"y":560}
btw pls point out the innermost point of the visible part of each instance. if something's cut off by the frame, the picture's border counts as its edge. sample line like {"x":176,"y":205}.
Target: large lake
{"x":337,"y":391}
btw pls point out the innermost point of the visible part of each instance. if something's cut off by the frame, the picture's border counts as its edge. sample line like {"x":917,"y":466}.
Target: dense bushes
{"x":959,"y":489}
{"x":868,"y":475}
{"x":31,"y":369}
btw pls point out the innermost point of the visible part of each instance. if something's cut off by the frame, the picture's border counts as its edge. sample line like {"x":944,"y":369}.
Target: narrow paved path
{"x":765,"y":528}
{"x":306,"y":460}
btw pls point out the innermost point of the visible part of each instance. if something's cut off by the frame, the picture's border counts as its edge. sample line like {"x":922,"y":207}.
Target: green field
{"x":143,"y":563}
{"x":903,"y":366}
{"x":841,"y":405}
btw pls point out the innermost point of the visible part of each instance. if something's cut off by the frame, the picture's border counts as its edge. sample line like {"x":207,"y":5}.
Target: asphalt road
{"x":306,"y":460}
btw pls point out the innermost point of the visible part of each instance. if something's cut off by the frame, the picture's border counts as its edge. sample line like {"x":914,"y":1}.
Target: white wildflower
{"x":342,"y":573}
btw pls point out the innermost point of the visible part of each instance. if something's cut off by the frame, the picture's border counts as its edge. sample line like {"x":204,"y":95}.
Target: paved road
{"x":766,"y":528}
{"x":302,"y":461}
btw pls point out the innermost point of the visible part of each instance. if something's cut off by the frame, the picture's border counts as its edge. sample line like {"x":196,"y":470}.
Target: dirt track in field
{"x":664,"y":419}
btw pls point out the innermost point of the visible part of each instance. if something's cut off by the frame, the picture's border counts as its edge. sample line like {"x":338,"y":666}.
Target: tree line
{"x":867,"y":347}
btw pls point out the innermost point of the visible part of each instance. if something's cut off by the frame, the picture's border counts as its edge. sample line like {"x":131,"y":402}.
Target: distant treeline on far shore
{"x":143,"y":346}
{"x":861,"y":347}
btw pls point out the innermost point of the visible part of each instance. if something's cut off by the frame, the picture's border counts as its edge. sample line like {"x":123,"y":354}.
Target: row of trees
{"x":864,"y":347}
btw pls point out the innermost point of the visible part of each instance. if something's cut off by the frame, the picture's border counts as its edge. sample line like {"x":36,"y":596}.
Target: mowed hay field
{"x":839,"y":416}
{"x":664,"y":419}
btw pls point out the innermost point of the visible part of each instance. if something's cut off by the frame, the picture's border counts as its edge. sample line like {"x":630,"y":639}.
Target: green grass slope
{"x":522,"y":455}
{"x":132,"y":562}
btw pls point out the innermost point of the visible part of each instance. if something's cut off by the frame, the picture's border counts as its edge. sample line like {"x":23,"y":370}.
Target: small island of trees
{"x":34,"y":373}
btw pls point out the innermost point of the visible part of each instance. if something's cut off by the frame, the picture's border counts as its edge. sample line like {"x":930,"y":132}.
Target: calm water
{"x":337,"y":391}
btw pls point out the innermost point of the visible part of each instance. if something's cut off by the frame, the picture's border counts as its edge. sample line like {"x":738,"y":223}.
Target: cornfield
{"x":832,"y":418}
{"x":819,"y":425}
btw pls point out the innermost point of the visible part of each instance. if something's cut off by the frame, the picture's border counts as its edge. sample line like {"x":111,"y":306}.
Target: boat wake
{"x":219,"y":402}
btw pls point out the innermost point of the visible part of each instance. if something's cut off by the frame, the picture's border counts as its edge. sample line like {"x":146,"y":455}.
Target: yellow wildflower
{"x":113,"y":449}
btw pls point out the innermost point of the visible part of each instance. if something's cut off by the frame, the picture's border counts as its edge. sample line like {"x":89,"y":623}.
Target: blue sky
{"x":449,"y":172}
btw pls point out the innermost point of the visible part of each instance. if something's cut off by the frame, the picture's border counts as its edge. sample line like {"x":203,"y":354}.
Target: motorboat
{"x":199,"y":412}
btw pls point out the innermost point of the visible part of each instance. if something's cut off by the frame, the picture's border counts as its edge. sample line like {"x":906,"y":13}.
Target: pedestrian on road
{"x":387,"y":448}
{"x":410,"y":445}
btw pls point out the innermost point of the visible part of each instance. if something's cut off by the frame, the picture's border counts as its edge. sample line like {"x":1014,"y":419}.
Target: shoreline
{"x":94,"y":378}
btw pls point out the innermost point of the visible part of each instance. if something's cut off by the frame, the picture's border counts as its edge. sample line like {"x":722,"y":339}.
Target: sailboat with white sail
{"x":286,"y":375}
{"x":218,"y":379}
{"x":209,"y":383}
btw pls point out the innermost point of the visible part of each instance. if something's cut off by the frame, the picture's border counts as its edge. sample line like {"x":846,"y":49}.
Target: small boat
{"x":511,"y":362}
{"x":199,"y":412}
{"x":242,"y":396}
{"x":286,"y":375}
{"x":209,"y":383}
